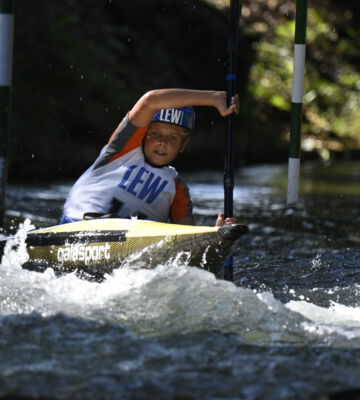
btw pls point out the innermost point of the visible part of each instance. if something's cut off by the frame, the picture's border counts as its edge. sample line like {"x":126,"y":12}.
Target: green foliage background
{"x":79,"y":66}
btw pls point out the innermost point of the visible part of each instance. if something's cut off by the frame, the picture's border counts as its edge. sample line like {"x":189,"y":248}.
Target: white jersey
{"x":121,"y":182}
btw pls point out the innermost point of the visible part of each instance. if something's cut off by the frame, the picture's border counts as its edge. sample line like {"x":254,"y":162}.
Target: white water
{"x":172,"y":299}
{"x":288,"y":330}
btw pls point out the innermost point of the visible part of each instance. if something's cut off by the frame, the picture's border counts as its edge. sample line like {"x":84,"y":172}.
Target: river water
{"x":287,"y":328}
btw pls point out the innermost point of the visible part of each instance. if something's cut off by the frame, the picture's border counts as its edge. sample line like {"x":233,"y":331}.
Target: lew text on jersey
{"x":144,"y":184}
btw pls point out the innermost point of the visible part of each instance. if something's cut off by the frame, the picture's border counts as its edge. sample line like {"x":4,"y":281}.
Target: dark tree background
{"x":79,"y":66}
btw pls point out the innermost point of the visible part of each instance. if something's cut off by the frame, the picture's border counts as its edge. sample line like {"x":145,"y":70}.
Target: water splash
{"x":336,"y":320}
{"x":15,"y":253}
{"x":169,"y":299}
{"x":316,"y":262}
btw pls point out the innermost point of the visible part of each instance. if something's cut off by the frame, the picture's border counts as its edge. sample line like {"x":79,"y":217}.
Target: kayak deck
{"x":98,"y":246}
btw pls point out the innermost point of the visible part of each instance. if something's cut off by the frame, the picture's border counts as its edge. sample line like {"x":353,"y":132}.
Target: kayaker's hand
{"x":220,"y":102}
{"x":221,"y":220}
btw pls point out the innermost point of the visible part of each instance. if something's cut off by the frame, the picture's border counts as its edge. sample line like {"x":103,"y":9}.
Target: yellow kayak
{"x":98,"y":246}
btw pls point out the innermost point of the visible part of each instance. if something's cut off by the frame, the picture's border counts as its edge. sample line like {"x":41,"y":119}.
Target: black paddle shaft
{"x":235,"y":10}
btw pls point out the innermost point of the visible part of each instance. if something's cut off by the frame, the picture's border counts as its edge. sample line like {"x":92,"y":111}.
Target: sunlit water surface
{"x":287,"y":328}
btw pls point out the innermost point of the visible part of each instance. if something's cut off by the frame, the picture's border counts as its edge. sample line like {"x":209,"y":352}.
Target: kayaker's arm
{"x":143,"y":111}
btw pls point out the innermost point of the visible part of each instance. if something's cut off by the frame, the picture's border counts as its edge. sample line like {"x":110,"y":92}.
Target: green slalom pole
{"x":6,"y":49}
{"x":235,"y":12}
{"x":296,"y":101}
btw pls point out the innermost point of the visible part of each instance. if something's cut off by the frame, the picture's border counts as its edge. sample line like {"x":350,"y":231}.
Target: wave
{"x":171,"y":299}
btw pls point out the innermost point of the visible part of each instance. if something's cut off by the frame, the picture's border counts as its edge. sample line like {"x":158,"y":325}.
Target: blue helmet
{"x":183,"y":116}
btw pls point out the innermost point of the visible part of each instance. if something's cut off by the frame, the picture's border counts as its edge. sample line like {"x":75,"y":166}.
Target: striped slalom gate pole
{"x":235,"y":12}
{"x":6,"y":49}
{"x":296,"y":101}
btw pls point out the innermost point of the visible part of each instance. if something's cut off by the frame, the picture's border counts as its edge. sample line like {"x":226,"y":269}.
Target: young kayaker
{"x":132,"y":175}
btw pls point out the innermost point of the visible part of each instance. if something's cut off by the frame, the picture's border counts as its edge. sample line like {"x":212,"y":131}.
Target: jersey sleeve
{"x":182,"y":205}
{"x":125,"y":138}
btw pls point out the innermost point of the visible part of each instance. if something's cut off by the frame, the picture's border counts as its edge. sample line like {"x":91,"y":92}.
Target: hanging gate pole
{"x":6,"y":48}
{"x":296,"y":101}
{"x":235,"y":12}
{"x":231,"y":91}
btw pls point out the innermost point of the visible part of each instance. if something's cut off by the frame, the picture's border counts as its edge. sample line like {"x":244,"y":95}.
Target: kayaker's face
{"x":163,"y":142}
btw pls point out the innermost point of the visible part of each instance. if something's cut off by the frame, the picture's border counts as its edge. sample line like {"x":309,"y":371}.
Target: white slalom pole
{"x":296,"y":102}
